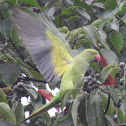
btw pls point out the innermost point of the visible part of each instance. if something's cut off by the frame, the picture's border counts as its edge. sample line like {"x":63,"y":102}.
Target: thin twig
{"x":31,"y":79}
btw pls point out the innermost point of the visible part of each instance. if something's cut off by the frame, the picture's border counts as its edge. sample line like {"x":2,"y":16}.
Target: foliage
{"x":99,"y":24}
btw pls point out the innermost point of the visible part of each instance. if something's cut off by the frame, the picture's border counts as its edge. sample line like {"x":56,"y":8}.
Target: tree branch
{"x":31,"y":79}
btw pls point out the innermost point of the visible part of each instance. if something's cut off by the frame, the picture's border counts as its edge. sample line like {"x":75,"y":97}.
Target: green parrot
{"x":51,"y":54}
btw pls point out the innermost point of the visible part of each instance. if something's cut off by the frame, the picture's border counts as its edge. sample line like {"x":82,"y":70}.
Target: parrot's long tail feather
{"x":43,"y":109}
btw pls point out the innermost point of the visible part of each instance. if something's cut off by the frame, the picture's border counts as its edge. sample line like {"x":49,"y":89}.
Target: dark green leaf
{"x":14,"y":2}
{"x":110,"y":56}
{"x":91,"y":34}
{"x":94,"y":65}
{"x":120,"y":115}
{"x":114,"y":93}
{"x":5,"y":27}
{"x":75,"y":108}
{"x":31,"y":2}
{"x":46,"y":116}
{"x":110,"y":120}
{"x":9,"y":72}
{"x":115,"y":24}
{"x":82,"y":111}
{"x":3,"y":97}
{"x":63,"y":29}
{"x":83,"y":13}
{"x":110,"y":69}
{"x":97,"y":22}
{"x":94,"y":113}
{"x":102,"y":39}
{"x":7,"y":113}
{"x":36,"y":103}
{"x":33,"y":92}
{"x":116,"y":39}
{"x":123,"y":105}
{"x":19,"y":111}
{"x":105,"y":101}
{"x":83,"y":4}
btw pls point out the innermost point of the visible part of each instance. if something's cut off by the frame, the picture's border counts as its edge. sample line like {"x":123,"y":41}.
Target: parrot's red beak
{"x":98,"y":57}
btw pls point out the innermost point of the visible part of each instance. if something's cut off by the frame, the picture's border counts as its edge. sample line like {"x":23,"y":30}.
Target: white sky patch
{"x":26,"y":116}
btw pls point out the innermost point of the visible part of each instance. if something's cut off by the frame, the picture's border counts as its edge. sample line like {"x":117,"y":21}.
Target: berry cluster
{"x":90,"y":82}
{"x":122,"y":65}
{"x":20,"y":89}
{"x":36,"y":10}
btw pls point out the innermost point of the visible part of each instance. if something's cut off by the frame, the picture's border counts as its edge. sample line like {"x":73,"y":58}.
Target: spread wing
{"x":45,"y":44}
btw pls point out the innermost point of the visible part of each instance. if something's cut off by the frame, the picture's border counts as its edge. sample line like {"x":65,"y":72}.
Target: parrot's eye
{"x":92,"y":52}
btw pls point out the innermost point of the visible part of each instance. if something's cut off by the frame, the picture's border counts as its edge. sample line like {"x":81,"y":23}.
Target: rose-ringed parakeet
{"x":52,"y":56}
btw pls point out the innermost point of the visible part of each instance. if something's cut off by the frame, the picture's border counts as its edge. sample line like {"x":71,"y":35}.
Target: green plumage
{"x":50,"y":53}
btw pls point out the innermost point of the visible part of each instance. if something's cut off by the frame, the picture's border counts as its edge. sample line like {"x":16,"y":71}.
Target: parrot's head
{"x":91,"y":54}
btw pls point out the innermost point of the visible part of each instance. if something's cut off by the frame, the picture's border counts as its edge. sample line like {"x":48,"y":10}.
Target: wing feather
{"x":44,"y":43}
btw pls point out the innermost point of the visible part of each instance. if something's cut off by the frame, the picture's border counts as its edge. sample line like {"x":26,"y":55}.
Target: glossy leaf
{"x":83,"y":13}
{"x":94,"y":111}
{"x":5,"y":27}
{"x":7,"y":113}
{"x":115,"y":25}
{"x":19,"y":111}
{"x":120,"y":115}
{"x":75,"y":109}
{"x":31,"y":2}
{"x":105,"y":101}
{"x":36,"y":103}
{"x":33,"y":92}
{"x":110,"y":120}
{"x":3,"y":97}
{"x":14,"y":2}
{"x":9,"y":72}
{"x":110,"y":69}
{"x":97,"y":22}
{"x":116,"y":39}
{"x":114,"y":93}
{"x":95,"y":66}
{"x":91,"y":34}
{"x":102,"y":39}
{"x":63,"y":29}
{"x":46,"y":117}
{"x":110,"y":56}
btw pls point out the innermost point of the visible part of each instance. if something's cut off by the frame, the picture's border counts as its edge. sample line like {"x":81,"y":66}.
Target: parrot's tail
{"x":54,"y":101}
